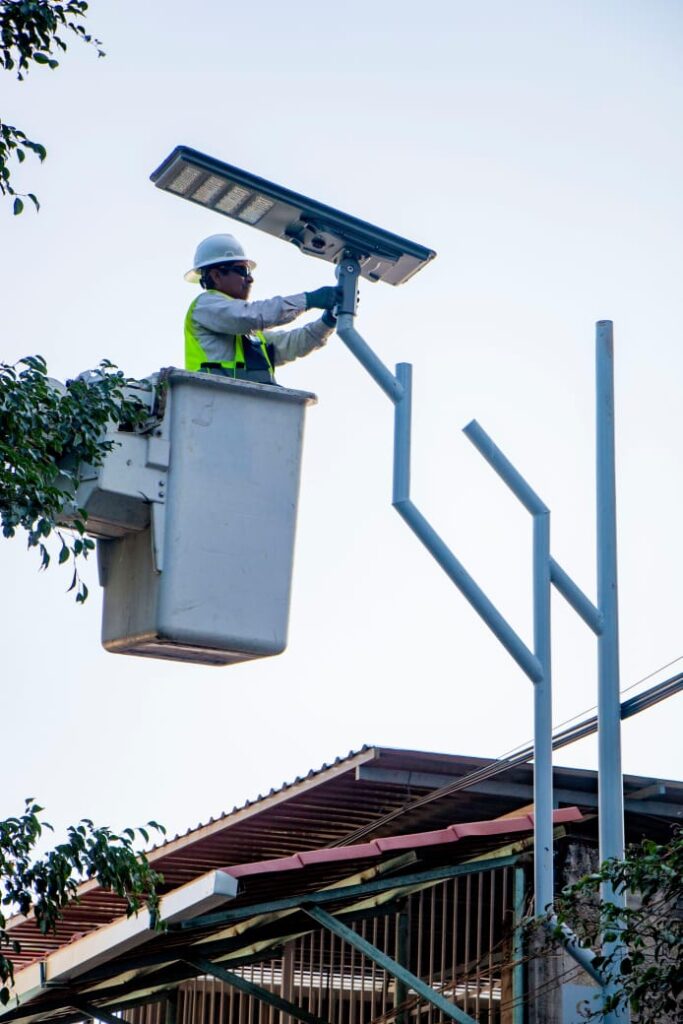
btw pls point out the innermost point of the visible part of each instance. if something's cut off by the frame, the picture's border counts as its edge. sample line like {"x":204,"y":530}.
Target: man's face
{"x":233,"y":279}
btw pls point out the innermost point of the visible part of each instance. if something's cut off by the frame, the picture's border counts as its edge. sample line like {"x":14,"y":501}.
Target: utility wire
{"x":593,"y":708}
{"x":563,"y":738}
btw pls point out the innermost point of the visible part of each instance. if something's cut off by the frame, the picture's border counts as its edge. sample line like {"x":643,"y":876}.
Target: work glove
{"x":323,"y":298}
{"x":329,"y":319}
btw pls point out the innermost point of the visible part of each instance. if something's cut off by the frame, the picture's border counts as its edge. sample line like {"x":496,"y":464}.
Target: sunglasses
{"x":239,"y":270}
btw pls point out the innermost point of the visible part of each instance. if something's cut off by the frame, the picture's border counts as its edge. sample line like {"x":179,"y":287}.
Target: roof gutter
{"x":201,"y":896}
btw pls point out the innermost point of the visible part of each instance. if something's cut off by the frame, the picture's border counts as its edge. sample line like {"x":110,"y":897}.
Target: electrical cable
{"x":586,"y":727}
{"x":594,"y":708}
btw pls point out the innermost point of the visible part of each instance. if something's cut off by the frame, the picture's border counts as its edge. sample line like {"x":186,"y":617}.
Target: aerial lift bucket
{"x":196,"y":520}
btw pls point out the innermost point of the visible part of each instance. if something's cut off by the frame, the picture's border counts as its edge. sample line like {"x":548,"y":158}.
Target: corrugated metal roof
{"x":323,"y":809}
{"x":112,"y":961}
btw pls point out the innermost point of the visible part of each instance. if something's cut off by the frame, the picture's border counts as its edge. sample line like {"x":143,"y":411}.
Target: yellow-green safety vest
{"x":195,"y":354}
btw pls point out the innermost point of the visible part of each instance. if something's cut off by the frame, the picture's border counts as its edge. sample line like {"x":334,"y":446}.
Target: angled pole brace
{"x":256,"y":991}
{"x":398,"y":389}
{"x":501,"y":465}
{"x":402,"y":974}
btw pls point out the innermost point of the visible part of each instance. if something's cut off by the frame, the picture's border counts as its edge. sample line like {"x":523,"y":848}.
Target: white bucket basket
{"x":199,"y":565}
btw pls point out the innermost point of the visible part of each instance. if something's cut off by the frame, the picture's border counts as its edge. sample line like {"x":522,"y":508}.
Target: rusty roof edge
{"x":301,"y":784}
{"x":389,"y":844}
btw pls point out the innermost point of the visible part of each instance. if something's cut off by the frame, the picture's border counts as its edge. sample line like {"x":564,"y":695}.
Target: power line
{"x":593,"y":708}
{"x":563,"y":738}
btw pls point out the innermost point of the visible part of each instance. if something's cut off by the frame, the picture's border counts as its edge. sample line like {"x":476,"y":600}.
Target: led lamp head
{"x":316,"y":229}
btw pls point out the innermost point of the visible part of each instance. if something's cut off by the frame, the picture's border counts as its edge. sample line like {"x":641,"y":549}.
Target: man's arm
{"x":224,"y":315}
{"x":292,"y":344}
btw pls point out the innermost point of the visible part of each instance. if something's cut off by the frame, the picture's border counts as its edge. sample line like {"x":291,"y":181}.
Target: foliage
{"x":32,"y":32}
{"x":649,"y":977}
{"x":44,"y":885}
{"x":46,"y":436}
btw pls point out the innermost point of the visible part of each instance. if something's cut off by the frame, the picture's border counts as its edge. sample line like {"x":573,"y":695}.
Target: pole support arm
{"x":348,"y":272}
{"x":576,"y":598}
{"x":470,"y":590}
{"x":504,"y":468}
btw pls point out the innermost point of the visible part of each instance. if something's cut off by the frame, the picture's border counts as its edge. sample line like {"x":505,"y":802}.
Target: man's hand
{"x":323,"y":298}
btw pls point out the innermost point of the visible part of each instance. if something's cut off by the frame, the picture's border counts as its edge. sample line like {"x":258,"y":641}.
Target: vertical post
{"x":518,"y":946}
{"x":543,"y":719}
{"x":287,"y":984}
{"x":401,"y":988}
{"x":611,"y":808}
{"x":171,"y":1007}
{"x":610,"y":784}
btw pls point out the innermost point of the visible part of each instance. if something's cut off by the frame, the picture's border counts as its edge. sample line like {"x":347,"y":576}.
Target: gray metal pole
{"x":543,"y":720}
{"x":603,"y":620}
{"x":610,"y":783}
{"x":609,"y":706}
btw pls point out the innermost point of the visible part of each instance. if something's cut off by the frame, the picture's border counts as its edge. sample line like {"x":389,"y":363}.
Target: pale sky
{"x":537,"y":148}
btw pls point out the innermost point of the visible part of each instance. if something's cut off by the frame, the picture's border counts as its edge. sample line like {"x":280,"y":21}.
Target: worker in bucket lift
{"x":227,"y":334}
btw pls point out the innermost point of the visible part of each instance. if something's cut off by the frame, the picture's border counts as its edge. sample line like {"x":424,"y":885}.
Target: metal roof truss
{"x":242,"y":935}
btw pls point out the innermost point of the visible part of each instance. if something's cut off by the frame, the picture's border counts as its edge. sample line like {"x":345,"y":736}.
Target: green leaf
{"x":18,"y":206}
{"x":41,"y":58}
{"x":44,"y":432}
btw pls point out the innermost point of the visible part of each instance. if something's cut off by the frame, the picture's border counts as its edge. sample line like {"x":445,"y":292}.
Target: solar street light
{"x":314,"y":228}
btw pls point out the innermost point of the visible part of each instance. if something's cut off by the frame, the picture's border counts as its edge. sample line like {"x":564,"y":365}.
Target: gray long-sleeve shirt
{"x":217,"y":318}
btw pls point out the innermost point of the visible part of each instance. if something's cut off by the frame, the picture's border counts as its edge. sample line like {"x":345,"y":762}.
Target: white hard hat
{"x":216,"y":249}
